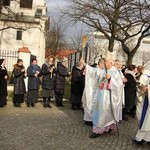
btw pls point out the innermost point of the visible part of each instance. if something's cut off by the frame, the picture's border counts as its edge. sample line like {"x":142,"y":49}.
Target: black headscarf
{"x":1,"y":61}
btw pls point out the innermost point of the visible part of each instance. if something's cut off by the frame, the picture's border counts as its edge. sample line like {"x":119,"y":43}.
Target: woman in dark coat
{"x":130,"y":89}
{"x":3,"y":83}
{"x":33,"y":74}
{"x":77,"y":86}
{"x":19,"y":84}
{"x":48,"y":81}
{"x":62,"y":72}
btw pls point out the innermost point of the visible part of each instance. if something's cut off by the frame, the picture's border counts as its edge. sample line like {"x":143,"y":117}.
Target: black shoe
{"x":110,"y":130}
{"x":49,"y":106}
{"x":57,"y":104}
{"x":148,"y":143}
{"x":44,"y":104}
{"x":32,"y":104}
{"x":1,"y":106}
{"x":139,"y":143}
{"x":94,"y":135}
{"x":80,"y":108}
{"x":73,"y":107}
{"x":28,"y":104}
{"x":17,"y":105}
{"x":125,"y":118}
{"x":61,"y":105}
{"x":89,"y":123}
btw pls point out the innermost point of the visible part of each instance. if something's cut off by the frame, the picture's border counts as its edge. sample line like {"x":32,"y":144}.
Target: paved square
{"x":58,"y":129}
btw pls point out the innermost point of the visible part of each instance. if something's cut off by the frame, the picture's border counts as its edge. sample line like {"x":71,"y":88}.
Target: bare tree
{"x":95,"y":53}
{"x":145,"y":58}
{"x":76,"y":41}
{"x":116,"y":19}
{"x":55,"y":37}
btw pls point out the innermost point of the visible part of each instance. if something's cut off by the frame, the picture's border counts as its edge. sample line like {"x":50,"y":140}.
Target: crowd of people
{"x":108,"y":92}
{"x":53,"y":82}
{"x":112,"y":92}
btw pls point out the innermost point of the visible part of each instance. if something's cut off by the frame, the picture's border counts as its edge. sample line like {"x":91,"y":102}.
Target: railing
{"x":11,"y":58}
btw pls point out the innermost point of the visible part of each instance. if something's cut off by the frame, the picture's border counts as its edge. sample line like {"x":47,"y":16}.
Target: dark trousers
{"x":59,"y":98}
{"x":76,"y":100}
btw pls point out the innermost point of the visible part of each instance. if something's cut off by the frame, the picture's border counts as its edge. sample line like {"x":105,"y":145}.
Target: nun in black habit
{"x":3,"y":83}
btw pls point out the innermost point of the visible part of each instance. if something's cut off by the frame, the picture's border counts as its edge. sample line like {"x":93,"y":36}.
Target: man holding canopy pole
{"x":104,"y":106}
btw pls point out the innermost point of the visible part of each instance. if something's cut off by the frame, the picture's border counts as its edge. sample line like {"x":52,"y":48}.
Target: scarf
{"x":34,"y":68}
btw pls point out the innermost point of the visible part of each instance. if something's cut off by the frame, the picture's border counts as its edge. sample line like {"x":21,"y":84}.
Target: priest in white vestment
{"x":143,"y":108}
{"x":118,"y":66}
{"x":106,"y":105}
{"x":89,"y":95}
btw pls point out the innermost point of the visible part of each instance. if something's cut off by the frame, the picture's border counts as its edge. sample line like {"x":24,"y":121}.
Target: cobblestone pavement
{"x":58,"y":129}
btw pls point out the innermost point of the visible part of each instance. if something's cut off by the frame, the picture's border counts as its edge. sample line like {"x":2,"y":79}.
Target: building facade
{"x":99,"y":46}
{"x":23,"y":23}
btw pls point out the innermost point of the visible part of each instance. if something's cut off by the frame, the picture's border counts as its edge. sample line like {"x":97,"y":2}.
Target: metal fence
{"x":73,"y":59}
{"x":10,"y":57}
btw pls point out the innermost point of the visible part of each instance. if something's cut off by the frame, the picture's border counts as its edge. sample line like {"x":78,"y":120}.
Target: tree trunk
{"x":111,"y":45}
{"x":129,"y":59}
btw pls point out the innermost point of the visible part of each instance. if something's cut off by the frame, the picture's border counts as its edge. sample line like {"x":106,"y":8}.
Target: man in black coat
{"x":62,"y":72}
{"x":77,"y":86}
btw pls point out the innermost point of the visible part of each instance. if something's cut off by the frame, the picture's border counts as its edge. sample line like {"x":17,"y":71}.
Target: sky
{"x":54,"y":7}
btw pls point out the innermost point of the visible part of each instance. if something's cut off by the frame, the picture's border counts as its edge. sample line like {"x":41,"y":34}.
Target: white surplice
{"x":121,"y":95}
{"x":89,"y":97}
{"x":142,"y":106}
{"x":97,"y":101}
{"x":105,"y":112}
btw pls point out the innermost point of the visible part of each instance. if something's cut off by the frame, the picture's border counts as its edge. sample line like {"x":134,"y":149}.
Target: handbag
{"x":11,"y":81}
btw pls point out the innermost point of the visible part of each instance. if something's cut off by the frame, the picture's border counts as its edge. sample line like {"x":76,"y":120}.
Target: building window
{"x":6,"y":2}
{"x":38,"y":13}
{"x":19,"y":35}
{"x":26,"y":3}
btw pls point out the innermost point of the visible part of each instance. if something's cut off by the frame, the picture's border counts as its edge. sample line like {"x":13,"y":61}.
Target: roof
{"x":64,"y":53}
{"x":61,"y":53}
{"x":24,"y":50}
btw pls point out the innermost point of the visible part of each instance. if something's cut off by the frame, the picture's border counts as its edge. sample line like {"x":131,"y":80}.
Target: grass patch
{"x":66,"y":94}
{"x":67,"y":90}
{"x":10,"y":95}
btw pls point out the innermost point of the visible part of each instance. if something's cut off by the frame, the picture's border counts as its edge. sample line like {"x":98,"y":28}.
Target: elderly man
{"x":107,"y":105}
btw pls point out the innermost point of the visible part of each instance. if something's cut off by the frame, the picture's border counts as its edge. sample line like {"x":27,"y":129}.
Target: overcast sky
{"x":54,"y":7}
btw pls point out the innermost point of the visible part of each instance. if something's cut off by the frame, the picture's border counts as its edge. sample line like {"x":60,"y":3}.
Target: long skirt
{"x":18,"y":98}
{"x":32,"y":96}
{"x":48,"y":93}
